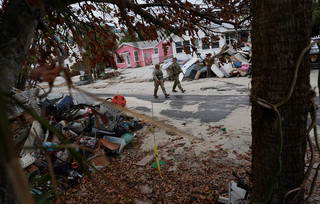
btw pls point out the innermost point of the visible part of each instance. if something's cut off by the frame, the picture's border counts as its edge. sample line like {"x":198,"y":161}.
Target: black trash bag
{"x":71,"y":175}
{"x":136,"y":126}
{"x":120,"y":130}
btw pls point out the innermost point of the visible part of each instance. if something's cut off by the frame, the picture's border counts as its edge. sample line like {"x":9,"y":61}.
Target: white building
{"x":205,"y":44}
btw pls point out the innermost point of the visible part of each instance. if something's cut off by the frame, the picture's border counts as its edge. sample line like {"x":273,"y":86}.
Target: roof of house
{"x":142,"y":44}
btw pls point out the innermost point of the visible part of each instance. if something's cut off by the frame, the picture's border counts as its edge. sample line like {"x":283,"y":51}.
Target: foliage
{"x":75,"y":24}
{"x":129,"y":38}
{"x":315,"y":17}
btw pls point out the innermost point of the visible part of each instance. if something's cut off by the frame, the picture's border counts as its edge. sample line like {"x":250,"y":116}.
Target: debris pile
{"x":67,"y":131}
{"x":229,"y":62}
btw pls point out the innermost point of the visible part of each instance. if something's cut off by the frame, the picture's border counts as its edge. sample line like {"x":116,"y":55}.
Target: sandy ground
{"x":205,"y":136}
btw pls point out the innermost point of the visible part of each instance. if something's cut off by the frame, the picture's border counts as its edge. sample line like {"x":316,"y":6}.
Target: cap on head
{"x":157,"y":65}
{"x":174,"y":58}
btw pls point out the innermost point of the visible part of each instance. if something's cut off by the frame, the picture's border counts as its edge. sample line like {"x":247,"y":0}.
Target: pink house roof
{"x":142,"y":44}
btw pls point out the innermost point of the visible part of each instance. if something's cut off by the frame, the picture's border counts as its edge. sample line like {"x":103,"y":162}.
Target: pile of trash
{"x":229,"y":62}
{"x":232,"y":62}
{"x":97,"y":132}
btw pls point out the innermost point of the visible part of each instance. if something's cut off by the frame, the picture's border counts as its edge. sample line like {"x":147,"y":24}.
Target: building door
{"x":128,"y":60}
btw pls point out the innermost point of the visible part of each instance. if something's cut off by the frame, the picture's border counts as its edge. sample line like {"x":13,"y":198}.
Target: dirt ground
{"x":197,"y":169}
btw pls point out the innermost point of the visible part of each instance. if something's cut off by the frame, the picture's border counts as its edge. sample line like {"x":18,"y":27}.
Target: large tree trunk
{"x":281,"y":30}
{"x":16,"y":30}
{"x":22,"y":78}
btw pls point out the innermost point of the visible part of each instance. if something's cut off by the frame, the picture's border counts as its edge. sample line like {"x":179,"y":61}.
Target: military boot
{"x":182,"y":90}
{"x":155,"y":94}
{"x":174,"y":88}
{"x":166,"y":95}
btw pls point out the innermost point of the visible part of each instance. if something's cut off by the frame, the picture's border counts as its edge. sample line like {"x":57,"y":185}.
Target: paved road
{"x":211,"y":108}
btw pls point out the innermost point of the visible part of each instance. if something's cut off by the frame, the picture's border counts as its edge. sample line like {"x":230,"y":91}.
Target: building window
{"x":156,"y":50}
{"x":205,"y":43}
{"x":195,"y":42}
{"x":214,"y":43}
{"x":146,"y":55}
{"x":186,"y":46}
{"x":120,"y":59}
{"x":136,"y":56}
{"x":178,"y":47}
{"x":230,"y":38}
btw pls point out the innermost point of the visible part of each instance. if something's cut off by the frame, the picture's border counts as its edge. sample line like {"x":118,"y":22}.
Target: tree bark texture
{"x":281,"y":30}
{"x":16,"y":30}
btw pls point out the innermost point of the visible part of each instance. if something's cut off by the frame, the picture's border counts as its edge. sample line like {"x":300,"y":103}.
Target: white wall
{"x":155,"y":58}
{"x":201,"y":51}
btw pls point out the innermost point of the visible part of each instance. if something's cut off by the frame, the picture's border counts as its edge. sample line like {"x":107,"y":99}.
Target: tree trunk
{"x":7,"y":195}
{"x":318,"y":44}
{"x":22,"y":77}
{"x":281,"y":30}
{"x":16,"y":30}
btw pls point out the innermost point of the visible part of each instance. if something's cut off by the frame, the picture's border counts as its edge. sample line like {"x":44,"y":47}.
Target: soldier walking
{"x":158,"y":81}
{"x":208,"y":61}
{"x":176,"y":70}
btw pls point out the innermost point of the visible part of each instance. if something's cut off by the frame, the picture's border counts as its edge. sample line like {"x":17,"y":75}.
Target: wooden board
{"x":217,"y":71}
{"x":100,"y":158}
{"x":108,"y":144}
{"x":145,"y":160}
{"x":197,"y":75}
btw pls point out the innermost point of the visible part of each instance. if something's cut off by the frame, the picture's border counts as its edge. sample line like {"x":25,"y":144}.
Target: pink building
{"x":143,"y":53}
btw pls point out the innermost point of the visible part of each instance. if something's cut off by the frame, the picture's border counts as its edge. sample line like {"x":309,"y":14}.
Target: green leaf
{"x":316,"y":17}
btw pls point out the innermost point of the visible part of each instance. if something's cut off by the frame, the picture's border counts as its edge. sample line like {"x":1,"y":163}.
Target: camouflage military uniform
{"x":158,"y":81}
{"x":176,"y":70}
{"x":208,"y":61}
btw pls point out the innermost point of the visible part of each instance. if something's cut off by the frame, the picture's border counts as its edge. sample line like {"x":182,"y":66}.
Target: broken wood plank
{"x":109,"y":145}
{"x":145,"y":160}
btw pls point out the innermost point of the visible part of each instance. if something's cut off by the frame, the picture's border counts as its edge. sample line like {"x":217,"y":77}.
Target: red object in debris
{"x":120,"y":100}
{"x":74,"y":164}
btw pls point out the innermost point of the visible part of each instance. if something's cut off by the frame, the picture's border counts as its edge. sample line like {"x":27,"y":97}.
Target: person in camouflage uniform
{"x":158,"y":81}
{"x":175,"y":69}
{"x":208,"y":61}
